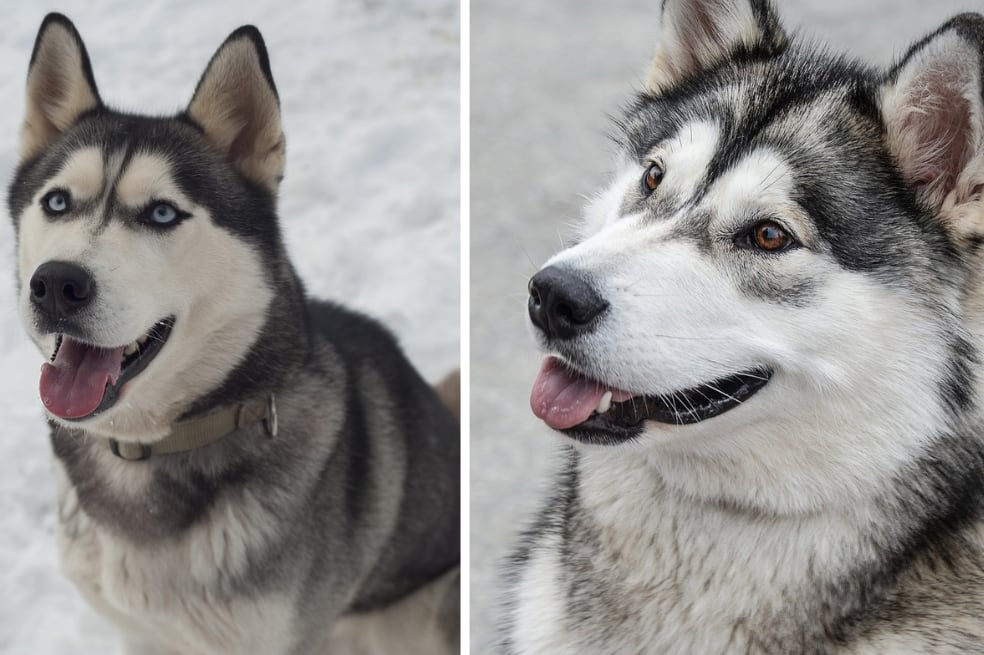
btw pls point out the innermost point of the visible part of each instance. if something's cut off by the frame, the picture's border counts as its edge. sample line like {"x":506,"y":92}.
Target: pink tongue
{"x":73,"y":385}
{"x":562,"y":400}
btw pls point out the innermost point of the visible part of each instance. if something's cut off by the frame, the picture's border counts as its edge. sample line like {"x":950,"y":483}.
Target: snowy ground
{"x":543,"y":76}
{"x":369,"y":91}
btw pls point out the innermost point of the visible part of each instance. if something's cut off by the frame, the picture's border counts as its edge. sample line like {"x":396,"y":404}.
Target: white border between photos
{"x":464,"y":122}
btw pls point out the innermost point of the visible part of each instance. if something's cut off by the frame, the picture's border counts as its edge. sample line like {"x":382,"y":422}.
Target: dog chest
{"x":173,"y":597}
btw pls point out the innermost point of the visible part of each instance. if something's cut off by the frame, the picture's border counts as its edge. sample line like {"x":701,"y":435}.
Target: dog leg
{"x":424,"y":623}
{"x":449,"y":391}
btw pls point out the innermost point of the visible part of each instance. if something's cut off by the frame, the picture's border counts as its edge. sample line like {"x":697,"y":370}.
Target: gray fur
{"x":254,"y":542}
{"x":734,"y":535}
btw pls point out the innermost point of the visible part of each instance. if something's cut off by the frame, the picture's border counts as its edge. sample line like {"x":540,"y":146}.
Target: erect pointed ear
{"x":698,"y":34}
{"x":236,"y":105}
{"x":933,"y":108}
{"x":60,"y":86}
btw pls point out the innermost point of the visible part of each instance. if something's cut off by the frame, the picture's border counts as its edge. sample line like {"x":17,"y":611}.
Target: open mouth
{"x":590,"y":411}
{"x":82,"y":380}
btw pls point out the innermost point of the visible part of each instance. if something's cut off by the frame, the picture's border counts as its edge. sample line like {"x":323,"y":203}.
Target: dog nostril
{"x":74,"y":294}
{"x":38,"y":288}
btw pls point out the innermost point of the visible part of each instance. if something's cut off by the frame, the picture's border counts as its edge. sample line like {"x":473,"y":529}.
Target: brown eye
{"x":652,"y":178}
{"x":771,"y":237}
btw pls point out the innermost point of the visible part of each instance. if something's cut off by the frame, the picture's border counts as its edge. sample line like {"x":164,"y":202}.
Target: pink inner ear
{"x":934,"y":135}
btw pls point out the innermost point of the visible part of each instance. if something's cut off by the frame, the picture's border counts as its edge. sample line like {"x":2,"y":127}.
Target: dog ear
{"x":933,"y":107}
{"x":60,"y":86}
{"x":698,"y":34}
{"x":236,"y":105}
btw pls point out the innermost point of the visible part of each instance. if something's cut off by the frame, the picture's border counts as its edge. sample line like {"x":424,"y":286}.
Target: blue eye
{"x":163,"y":213}
{"x":56,"y":203}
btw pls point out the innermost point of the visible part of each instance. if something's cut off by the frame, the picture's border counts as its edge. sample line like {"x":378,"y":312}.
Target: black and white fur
{"x":338,"y":534}
{"x":840,"y":509}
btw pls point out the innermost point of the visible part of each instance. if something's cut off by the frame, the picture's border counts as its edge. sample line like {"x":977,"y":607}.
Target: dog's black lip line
{"x":58,"y":342}
{"x":623,"y":421}
{"x":158,"y":335}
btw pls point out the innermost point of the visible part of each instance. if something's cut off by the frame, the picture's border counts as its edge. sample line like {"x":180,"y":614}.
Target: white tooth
{"x":130,"y":349}
{"x":605,"y":403}
{"x":142,"y":340}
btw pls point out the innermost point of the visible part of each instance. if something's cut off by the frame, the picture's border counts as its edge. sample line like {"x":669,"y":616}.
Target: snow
{"x":369,"y":92}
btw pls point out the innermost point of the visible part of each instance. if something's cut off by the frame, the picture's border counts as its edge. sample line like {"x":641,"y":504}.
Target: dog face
{"x":770,"y":281}
{"x":145,"y":245}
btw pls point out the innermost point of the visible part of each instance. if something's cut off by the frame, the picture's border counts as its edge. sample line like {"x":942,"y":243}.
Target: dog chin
{"x":125,"y":422}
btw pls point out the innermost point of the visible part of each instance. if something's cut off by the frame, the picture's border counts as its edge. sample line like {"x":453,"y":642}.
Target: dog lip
{"x":623,"y":421}
{"x":159,"y":333}
{"x":59,"y":338}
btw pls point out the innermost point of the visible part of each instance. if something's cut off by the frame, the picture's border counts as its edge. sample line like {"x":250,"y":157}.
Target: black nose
{"x":60,"y":289}
{"x":562,"y":304}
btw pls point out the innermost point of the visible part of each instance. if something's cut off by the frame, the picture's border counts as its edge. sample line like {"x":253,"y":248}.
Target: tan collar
{"x":198,"y":432}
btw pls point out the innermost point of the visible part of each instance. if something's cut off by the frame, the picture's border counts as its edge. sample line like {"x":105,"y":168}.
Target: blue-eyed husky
{"x":243,"y":470}
{"x":765,"y":350}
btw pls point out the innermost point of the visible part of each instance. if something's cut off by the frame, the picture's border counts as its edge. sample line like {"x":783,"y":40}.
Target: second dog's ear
{"x":933,"y":108}
{"x":236,"y":105}
{"x":60,"y":86}
{"x":698,"y":34}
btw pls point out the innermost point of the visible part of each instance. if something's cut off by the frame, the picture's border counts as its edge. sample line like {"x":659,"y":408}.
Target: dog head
{"x":765,"y":299}
{"x":146,"y":246}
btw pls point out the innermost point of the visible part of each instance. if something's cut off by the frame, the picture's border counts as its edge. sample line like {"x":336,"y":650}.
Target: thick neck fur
{"x":767,"y":579}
